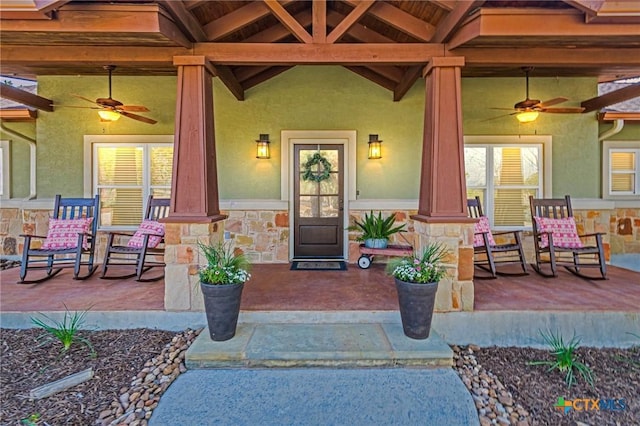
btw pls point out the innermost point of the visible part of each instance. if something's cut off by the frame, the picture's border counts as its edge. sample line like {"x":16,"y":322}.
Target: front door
{"x":318,"y":201}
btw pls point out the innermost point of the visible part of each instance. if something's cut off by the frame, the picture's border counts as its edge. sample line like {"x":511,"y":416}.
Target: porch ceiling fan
{"x":111,"y":109}
{"x":528,"y":109}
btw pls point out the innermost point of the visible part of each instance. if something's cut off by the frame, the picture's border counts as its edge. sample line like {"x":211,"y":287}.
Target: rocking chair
{"x":486,"y":253}
{"x":142,"y":248}
{"x":71,"y":235}
{"x":557,"y":243}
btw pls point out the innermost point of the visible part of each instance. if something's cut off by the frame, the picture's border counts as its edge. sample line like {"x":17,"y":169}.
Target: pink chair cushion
{"x":63,"y":233}
{"x":479,"y":228}
{"x":563,"y":231}
{"x":147,"y":227}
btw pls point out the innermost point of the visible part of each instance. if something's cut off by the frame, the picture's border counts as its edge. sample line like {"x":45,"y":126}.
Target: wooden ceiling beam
{"x":288,"y":21}
{"x":245,"y":73}
{"x":350,"y":20}
{"x":408,"y":79}
{"x":192,"y":4}
{"x":445,"y":4}
{"x":319,"y":27}
{"x":278,"y":32}
{"x":308,"y":54}
{"x":390,"y":73}
{"x":237,"y":19}
{"x":626,"y":116}
{"x":89,"y":56}
{"x":264,"y":76}
{"x":550,"y":57}
{"x":538,"y":27}
{"x":229,"y":79}
{"x":185,"y":20}
{"x":400,"y":20}
{"x":25,"y":98}
{"x":372,"y":76}
{"x":603,"y":101}
{"x":18,"y":114}
{"x":453,"y":20}
{"x":590,"y":7}
{"x":357,"y":31}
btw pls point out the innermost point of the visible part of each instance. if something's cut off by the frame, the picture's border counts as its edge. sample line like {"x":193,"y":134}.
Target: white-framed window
{"x":125,"y":170}
{"x":621,"y":170}
{"x":5,"y":171}
{"x":504,"y":171}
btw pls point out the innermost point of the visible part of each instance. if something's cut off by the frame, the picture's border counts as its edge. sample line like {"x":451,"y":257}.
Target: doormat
{"x":307,"y":265}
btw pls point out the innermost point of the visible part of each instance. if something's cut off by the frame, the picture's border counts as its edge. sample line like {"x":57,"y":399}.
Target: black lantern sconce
{"x":262,"y":147}
{"x":375,"y":147}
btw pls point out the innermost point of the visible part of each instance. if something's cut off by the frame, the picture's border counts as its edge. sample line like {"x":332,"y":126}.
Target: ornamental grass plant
{"x":376,"y":227}
{"x":420,"y":268}
{"x":224,"y":265}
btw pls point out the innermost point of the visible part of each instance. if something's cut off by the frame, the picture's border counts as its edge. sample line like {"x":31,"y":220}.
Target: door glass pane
{"x":161,"y":192}
{"x":332,"y":158}
{"x":308,"y":206}
{"x":329,"y":206}
{"x":330,"y":186}
{"x":308,"y":187}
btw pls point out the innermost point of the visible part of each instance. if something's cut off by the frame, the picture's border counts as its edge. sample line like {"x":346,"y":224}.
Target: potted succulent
{"x":417,"y":279}
{"x":221,"y":282}
{"x":376,"y":230}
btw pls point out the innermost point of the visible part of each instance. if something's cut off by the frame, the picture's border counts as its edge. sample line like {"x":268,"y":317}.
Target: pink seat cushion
{"x":563,"y":232}
{"x":63,"y":233}
{"x":479,"y":228}
{"x":147,"y":227}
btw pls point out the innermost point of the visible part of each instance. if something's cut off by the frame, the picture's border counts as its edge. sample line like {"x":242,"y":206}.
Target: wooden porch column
{"x":194,"y":187}
{"x":442,"y":183}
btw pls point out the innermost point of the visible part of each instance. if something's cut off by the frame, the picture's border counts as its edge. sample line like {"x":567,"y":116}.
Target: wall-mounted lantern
{"x":262,"y":147}
{"x":375,"y":147}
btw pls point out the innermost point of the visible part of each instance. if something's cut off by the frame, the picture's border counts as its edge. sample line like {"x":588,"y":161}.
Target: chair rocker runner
{"x":557,"y":243}
{"x":142,"y":248}
{"x":487,"y":255}
{"x":71,"y":236}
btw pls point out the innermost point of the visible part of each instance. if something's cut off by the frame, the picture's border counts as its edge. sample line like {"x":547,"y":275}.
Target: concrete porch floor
{"x":274,"y":287}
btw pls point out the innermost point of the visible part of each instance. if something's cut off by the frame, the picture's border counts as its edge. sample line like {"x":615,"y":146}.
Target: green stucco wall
{"x":311,"y":98}
{"x":318,"y":98}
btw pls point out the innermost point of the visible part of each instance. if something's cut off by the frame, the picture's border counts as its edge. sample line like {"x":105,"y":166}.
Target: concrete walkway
{"x":317,"y":374}
{"x":379,"y":396}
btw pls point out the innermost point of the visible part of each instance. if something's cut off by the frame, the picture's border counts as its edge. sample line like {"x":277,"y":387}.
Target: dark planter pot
{"x":416,"y":307}
{"x":222,"y":305}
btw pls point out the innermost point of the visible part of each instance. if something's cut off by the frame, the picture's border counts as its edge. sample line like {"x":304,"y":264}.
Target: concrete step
{"x":318,"y":345}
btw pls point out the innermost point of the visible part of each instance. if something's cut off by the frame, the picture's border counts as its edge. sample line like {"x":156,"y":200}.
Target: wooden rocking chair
{"x":557,"y":243}
{"x":71,"y":235}
{"x":142,"y":248}
{"x":487,"y":254}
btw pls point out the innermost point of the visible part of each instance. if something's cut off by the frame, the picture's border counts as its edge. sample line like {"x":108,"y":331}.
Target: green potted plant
{"x":376,"y":230}
{"x":221,"y":282}
{"x":417,"y":279}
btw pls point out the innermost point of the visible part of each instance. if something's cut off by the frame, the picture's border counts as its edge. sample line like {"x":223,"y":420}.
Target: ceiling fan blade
{"x":553,"y":101}
{"x":83,"y":98}
{"x":138,"y":117}
{"x":136,"y":108}
{"x":568,"y":110}
{"x":499,"y":116}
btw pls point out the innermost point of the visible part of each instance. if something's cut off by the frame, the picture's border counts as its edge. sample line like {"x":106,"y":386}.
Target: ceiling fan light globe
{"x":527,"y":116}
{"x":108,"y":115}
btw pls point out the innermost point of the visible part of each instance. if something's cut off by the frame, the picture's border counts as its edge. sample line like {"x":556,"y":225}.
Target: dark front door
{"x":318,"y":205}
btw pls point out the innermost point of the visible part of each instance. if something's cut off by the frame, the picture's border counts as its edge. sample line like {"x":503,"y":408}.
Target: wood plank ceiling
{"x":387,"y":42}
